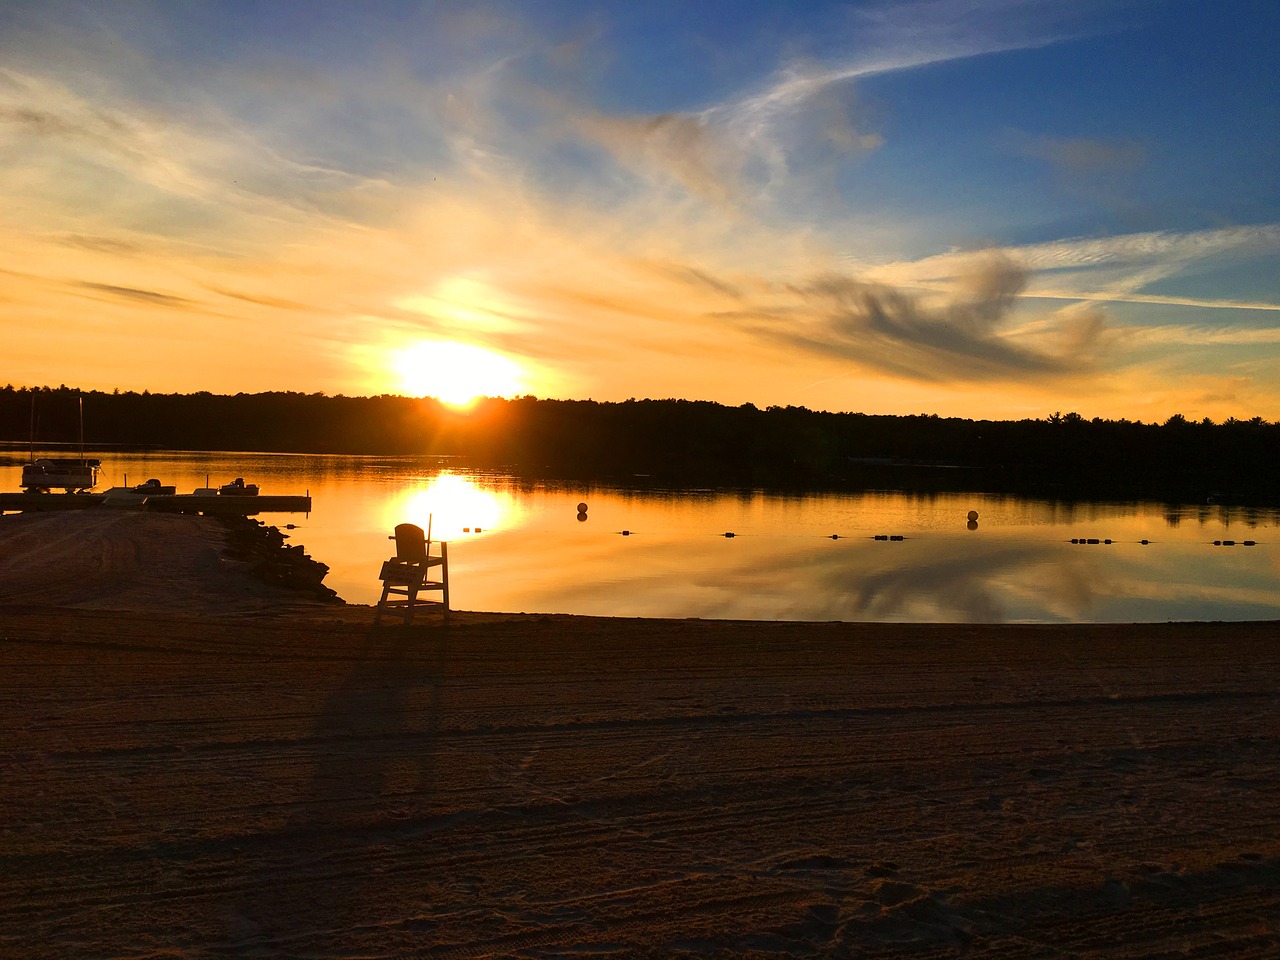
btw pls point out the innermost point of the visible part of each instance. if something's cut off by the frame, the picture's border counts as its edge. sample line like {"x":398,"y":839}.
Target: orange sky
{"x":250,"y":217}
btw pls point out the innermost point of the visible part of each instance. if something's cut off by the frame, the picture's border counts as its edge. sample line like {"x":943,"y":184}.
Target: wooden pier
{"x":171,"y":503}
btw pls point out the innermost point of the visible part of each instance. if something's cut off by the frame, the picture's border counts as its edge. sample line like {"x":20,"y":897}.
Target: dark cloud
{"x":39,"y":122}
{"x":275,"y":302}
{"x":133,"y":293}
{"x":96,"y":126}
{"x":961,"y":339}
{"x":101,"y":244}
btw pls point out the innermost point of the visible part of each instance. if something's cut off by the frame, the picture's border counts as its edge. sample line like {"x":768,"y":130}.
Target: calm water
{"x":519,"y":546}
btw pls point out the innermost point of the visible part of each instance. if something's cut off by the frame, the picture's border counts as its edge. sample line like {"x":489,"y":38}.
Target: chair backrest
{"x":411,"y":542}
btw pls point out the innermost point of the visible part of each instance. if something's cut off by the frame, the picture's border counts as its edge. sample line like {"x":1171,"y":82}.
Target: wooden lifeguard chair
{"x":414,"y":571}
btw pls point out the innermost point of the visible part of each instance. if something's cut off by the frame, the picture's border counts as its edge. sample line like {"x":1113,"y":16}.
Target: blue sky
{"x":992,"y":209}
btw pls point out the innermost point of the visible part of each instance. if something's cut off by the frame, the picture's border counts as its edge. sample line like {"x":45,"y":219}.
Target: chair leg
{"x":408,"y":606}
{"x":444,"y":578}
{"x":377,"y":617}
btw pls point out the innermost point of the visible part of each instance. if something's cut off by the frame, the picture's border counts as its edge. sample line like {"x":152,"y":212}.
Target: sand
{"x":193,"y":769}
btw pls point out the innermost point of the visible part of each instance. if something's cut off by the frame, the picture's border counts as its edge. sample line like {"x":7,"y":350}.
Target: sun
{"x":456,"y":373}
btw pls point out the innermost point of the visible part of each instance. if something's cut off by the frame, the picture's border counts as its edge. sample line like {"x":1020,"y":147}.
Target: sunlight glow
{"x":465,"y":302}
{"x":452,"y":504}
{"x":455,"y":373}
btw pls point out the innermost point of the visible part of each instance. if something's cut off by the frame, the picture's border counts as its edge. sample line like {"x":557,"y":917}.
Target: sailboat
{"x":72,"y":474}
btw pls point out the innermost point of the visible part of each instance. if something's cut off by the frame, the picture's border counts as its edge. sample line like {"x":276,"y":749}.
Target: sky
{"x":988,"y":208}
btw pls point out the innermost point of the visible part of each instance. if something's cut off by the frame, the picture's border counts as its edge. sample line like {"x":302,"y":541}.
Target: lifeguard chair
{"x":412,"y":572}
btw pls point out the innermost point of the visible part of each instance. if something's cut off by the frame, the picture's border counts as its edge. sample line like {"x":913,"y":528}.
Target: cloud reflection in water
{"x":926,"y":579}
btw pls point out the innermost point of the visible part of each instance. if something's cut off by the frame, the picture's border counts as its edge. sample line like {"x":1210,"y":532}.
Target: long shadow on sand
{"x":372,"y":749}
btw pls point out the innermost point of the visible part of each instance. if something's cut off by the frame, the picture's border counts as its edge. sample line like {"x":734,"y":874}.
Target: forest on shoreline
{"x":686,"y":442}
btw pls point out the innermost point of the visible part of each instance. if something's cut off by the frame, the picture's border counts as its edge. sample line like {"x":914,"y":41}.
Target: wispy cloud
{"x":1105,"y":268}
{"x":807,"y":108}
{"x":1077,"y":156}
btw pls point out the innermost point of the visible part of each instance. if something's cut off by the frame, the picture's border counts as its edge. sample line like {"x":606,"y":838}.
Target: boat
{"x":155,"y":488}
{"x":238,"y":488}
{"x":72,"y":474}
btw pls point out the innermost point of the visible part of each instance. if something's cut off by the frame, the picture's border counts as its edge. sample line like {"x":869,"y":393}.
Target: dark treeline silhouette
{"x":691,"y":443}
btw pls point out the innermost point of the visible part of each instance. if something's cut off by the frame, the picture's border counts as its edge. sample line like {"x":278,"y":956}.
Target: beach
{"x":197,"y":764}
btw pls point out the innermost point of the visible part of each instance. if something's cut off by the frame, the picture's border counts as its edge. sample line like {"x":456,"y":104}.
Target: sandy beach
{"x":194,"y":764}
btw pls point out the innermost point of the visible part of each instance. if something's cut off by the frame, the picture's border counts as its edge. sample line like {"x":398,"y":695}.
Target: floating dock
{"x":240,"y":506}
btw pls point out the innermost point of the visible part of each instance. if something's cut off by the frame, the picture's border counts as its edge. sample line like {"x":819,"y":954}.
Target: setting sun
{"x":456,"y":373}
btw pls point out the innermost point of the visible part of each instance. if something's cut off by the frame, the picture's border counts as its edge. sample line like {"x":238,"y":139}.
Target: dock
{"x":240,"y":506}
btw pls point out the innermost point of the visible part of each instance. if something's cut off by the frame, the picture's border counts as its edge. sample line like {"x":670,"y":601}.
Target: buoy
{"x":1217,"y":543}
{"x":478,"y":530}
{"x":835,"y":536}
{"x":973,"y":514}
{"x":730,"y":534}
{"x":896,"y":536}
{"x":972,"y":525}
{"x":582,"y":508}
{"x":626,"y":533}
{"x":1093,"y":539}
{"x":466,"y":529}
{"x":880,"y":536}
{"x":1228,"y":543}
{"x":1144,"y":542}
{"x":582,"y":515}
{"x":1251,"y":543}
{"x":1106,"y":541}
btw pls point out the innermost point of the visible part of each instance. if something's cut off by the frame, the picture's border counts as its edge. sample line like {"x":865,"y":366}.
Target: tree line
{"x":686,"y":442}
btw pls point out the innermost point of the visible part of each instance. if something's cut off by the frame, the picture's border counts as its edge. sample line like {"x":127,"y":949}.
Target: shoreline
{"x":121,"y":560}
{"x":230,"y":771}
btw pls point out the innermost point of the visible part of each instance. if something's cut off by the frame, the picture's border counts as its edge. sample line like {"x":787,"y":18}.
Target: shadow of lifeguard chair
{"x":413,"y":572}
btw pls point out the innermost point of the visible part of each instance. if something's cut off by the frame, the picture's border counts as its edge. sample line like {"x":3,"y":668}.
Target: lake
{"x":521,"y":546}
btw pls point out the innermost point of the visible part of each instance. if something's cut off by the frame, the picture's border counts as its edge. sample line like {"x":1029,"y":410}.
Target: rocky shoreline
{"x":270,"y":560}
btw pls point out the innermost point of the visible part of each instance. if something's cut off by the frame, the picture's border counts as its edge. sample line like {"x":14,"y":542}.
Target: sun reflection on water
{"x":452,"y":505}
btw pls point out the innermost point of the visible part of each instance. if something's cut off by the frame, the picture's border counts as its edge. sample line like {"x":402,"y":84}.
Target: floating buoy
{"x":478,"y":530}
{"x":880,"y":536}
{"x":1144,"y":542}
{"x":1217,"y":543}
{"x":466,"y":529}
{"x":582,"y":515}
{"x":1251,"y":543}
{"x":1228,"y":543}
{"x":973,"y":514}
{"x":290,"y":526}
{"x":730,"y":534}
{"x":1106,"y":541}
{"x":896,"y":536}
{"x":582,"y":508}
{"x":626,"y":533}
{"x":971,"y":525}
{"x":1093,"y":540}
{"x":835,"y":536}
{"x":1074,"y":540}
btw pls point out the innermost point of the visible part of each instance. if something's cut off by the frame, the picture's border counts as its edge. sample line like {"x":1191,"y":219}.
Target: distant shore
{"x":698,"y":443}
